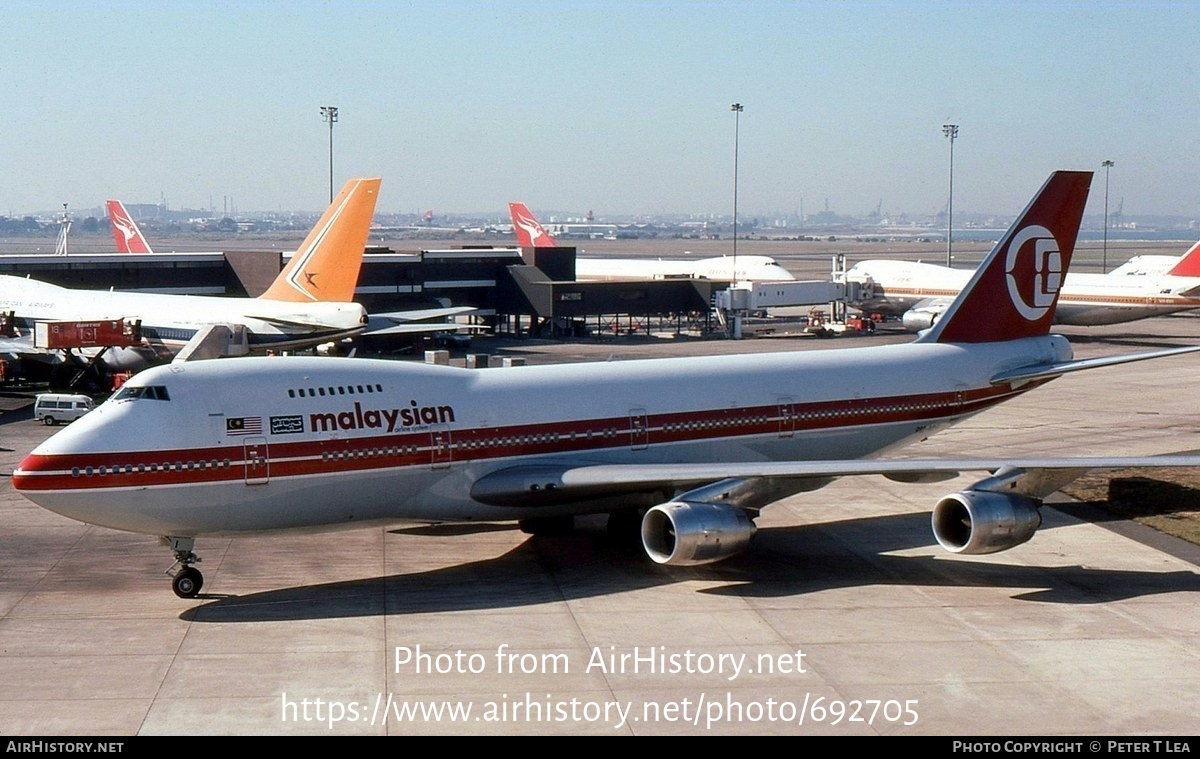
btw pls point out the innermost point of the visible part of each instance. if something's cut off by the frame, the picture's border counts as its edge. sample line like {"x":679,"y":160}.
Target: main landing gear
{"x":186,"y":580}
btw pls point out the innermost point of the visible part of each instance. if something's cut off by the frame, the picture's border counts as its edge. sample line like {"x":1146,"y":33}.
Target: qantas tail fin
{"x":325,"y":267}
{"x":1189,"y":264}
{"x":129,"y":238}
{"x":1014,"y":292}
{"x":530,"y":233}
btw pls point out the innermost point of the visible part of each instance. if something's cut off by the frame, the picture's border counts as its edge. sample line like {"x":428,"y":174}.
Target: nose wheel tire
{"x":188,"y":582}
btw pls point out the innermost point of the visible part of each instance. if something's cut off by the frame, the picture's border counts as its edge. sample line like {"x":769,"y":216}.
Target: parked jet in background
{"x":1151,"y":264}
{"x":125,"y":231}
{"x":531,"y":234}
{"x":223,"y":448}
{"x":309,"y":303}
{"x":919,"y":293}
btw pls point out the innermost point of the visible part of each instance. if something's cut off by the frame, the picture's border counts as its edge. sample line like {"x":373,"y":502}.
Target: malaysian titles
{"x":388,"y":419}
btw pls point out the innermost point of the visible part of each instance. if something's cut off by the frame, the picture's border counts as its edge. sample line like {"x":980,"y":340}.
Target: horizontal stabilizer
{"x":1048,"y":371}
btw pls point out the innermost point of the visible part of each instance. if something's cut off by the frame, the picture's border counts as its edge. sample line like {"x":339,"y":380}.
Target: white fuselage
{"x":298,"y":442}
{"x":1085,"y":299}
{"x":171,"y":320}
{"x":748,"y":269}
{"x":1147,"y":265}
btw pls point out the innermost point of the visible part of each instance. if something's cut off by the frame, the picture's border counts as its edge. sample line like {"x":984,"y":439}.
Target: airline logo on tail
{"x":1043,"y":256}
{"x":530,"y":233}
{"x":1032,"y":258}
{"x":126,"y":233}
{"x":325,"y":267}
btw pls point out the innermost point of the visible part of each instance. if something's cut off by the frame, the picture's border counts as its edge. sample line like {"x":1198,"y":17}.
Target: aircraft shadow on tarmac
{"x":783,"y":561}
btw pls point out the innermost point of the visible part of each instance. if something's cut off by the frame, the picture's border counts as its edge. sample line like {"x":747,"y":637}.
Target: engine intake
{"x":682,"y":533}
{"x":977,"y":521}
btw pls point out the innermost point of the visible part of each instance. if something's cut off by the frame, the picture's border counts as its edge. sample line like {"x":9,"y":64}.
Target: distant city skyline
{"x":571,"y":228}
{"x":621,"y":107}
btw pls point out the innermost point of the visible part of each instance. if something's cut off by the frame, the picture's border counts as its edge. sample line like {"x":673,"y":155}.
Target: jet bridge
{"x":742,"y":299}
{"x":763,"y":296}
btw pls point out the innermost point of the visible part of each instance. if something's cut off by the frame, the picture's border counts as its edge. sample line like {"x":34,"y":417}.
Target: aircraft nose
{"x":33,"y":468}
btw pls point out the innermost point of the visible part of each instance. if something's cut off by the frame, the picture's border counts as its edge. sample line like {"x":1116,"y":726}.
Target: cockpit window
{"x":151,"y":392}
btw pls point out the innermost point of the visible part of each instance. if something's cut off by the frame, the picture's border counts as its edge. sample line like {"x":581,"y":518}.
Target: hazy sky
{"x":620,"y":107}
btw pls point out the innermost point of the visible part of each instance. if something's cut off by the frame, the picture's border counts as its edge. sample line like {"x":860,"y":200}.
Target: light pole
{"x":737,"y":114}
{"x":1104,"y":259}
{"x":951,"y":131}
{"x":330,"y":114}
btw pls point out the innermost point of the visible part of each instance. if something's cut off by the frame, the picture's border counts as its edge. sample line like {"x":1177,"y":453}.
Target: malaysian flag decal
{"x":244,"y":425}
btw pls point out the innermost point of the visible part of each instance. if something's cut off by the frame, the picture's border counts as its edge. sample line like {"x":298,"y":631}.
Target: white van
{"x":52,"y":408}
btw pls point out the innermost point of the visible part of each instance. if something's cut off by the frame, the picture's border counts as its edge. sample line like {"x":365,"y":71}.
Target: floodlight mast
{"x":951,"y":132}
{"x":330,"y":114}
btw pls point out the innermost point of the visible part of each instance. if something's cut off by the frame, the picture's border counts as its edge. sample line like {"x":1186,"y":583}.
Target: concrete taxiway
{"x":844,"y":617}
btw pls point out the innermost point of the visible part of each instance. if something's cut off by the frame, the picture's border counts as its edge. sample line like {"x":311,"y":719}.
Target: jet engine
{"x":683,"y":533}
{"x":917,"y":319}
{"x":979,"y":521}
{"x":128,"y":359}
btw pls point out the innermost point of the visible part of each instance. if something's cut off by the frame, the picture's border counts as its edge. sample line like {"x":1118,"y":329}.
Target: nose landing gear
{"x":186,"y":580}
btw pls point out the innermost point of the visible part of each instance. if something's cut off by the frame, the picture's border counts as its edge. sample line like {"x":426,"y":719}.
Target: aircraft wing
{"x":937,"y":304}
{"x":421,"y":314}
{"x":23,"y":349}
{"x":416,"y":329}
{"x":279,"y":321}
{"x":416,"y":321}
{"x":754,"y":484}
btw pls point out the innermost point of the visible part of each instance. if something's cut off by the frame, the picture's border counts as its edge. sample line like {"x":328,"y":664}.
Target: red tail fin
{"x":1015,"y":290}
{"x":530,"y":233}
{"x":129,"y":238}
{"x":1189,"y":264}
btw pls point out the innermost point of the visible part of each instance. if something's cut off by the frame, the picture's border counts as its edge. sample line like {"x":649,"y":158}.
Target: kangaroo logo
{"x":530,"y":226}
{"x":1046,"y":266}
{"x":124,"y":227}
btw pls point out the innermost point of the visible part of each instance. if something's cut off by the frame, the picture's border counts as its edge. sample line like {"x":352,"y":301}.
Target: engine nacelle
{"x":122,"y":359}
{"x":682,"y":533}
{"x":977,"y":521}
{"x":917,"y":319}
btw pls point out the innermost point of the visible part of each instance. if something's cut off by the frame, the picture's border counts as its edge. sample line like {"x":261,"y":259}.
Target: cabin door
{"x":639,"y":433}
{"x":787,"y":418}
{"x":258,"y":463}
{"x":439,"y":446}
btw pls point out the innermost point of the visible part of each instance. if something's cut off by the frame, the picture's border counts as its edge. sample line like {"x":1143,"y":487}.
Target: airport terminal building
{"x":517,"y":294}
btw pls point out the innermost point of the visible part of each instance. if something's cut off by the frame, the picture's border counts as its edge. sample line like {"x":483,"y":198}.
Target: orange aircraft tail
{"x":530,"y":233}
{"x":325,"y":267}
{"x":129,"y":238}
